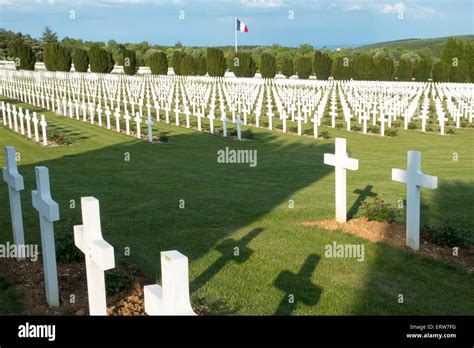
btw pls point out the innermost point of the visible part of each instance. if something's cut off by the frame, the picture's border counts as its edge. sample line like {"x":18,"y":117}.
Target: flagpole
{"x":235,"y":30}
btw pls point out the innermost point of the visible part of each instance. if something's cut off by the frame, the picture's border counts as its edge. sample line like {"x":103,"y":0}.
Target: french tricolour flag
{"x":241,"y":26}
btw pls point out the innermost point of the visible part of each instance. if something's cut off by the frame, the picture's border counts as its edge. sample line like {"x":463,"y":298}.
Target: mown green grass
{"x":230,"y":205}
{"x":9,"y":299}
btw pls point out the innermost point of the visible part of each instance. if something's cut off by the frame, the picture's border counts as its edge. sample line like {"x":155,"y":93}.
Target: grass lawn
{"x":9,"y":299}
{"x":229,"y":206}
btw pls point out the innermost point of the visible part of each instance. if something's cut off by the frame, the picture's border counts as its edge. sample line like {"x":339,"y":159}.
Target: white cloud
{"x":393,"y":8}
{"x":263,"y":3}
{"x":352,"y":7}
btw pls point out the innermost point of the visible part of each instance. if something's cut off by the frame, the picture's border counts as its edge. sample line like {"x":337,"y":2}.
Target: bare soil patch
{"x":27,"y":278}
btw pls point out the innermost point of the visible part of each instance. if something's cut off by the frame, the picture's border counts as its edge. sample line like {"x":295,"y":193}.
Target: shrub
{"x":324,"y":135}
{"x":80,"y":58}
{"x":267,"y":65}
{"x":459,"y":72}
{"x":244,"y":65}
{"x":101,"y":61}
{"x":58,"y":138}
{"x":448,"y":233}
{"x":377,"y":210}
{"x":303,"y":66}
{"x":391,"y":132}
{"x":187,"y":67}
{"x":200,"y":65}
{"x":429,"y":129}
{"x":339,"y":125}
{"x":164,"y":138}
{"x":450,"y":131}
{"x":364,"y":67}
{"x":404,"y":70}
{"x":158,"y":63}
{"x":115,"y":281}
{"x":412,"y":125}
{"x":57,"y":57}
{"x":322,"y":65}
{"x":130,"y":64}
{"x":110,"y":62}
{"x":356,"y":128}
{"x":286,"y":67}
{"x":66,"y":250}
{"x":440,"y":72}
{"x":384,"y":69}
{"x":342,"y":68}
{"x":327,"y":122}
{"x":215,"y":61}
{"x":374,"y":129}
{"x":23,"y":56}
{"x":176,"y":61}
{"x":422,"y":69}
{"x":248,"y":134}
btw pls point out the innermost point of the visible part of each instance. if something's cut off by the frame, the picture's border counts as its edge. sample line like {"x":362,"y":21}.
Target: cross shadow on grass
{"x":231,"y":250}
{"x":450,"y":194}
{"x":363,"y":195}
{"x":140,"y":198}
{"x":298,"y":287}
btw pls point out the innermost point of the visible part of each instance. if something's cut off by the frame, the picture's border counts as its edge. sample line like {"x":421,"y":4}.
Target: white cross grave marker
{"x":48,"y":212}
{"x":239,"y":133}
{"x":414,"y":179}
{"x":28,"y":124}
{"x":117,"y":120}
{"x":138,"y":122}
{"x":43,"y":130}
{"x":15,"y":184}
{"x":224,"y":126}
{"x":99,"y":254}
{"x":35,"y":127}
{"x":107,"y":116}
{"x":173,"y":297}
{"x":149,"y":123}
{"x":341,"y":161}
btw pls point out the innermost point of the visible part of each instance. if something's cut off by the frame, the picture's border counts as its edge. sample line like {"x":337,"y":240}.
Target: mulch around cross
{"x":394,"y":235}
{"x":27,"y":278}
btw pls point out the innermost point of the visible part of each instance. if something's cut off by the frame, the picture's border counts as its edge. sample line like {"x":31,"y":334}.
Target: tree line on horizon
{"x":455,"y":64}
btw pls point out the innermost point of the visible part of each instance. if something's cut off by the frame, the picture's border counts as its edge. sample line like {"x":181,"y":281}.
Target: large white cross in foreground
{"x":15,"y":185}
{"x":99,"y":254}
{"x":414,"y":179}
{"x":173,"y":297}
{"x":49,"y":212}
{"x":341,"y":161}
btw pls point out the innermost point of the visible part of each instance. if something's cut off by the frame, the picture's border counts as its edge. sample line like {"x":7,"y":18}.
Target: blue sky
{"x":330,"y":23}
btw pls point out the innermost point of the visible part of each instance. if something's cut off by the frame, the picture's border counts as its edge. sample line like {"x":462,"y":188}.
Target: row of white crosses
{"x":23,"y":123}
{"x":48,"y":211}
{"x":296,"y":101}
{"x":413,"y":177}
{"x":170,"y":299}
